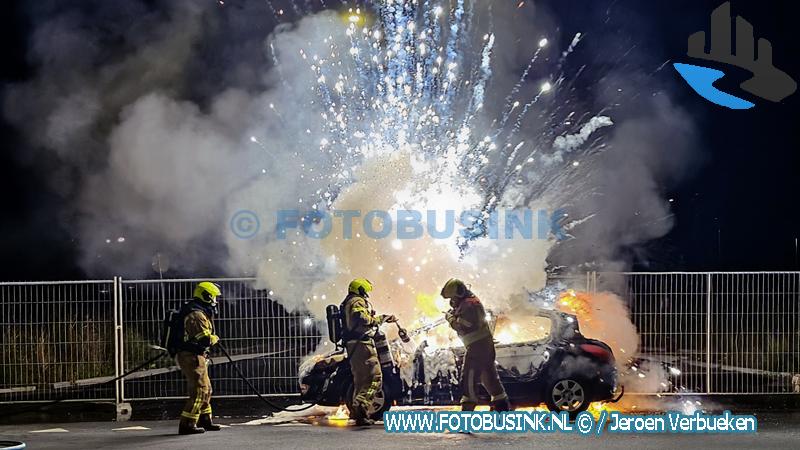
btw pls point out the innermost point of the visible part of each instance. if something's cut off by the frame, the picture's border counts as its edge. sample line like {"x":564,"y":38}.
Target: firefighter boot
{"x":205,"y":422}
{"x":187,"y":426}
{"x":363,"y":422}
{"x":468,"y":406}
{"x":501,"y":405}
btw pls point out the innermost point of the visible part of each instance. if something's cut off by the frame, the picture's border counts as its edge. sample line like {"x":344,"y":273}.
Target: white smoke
{"x":161,"y":143}
{"x":570,"y":142}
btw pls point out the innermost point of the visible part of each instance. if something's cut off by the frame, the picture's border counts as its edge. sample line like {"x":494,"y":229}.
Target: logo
{"x":520,"y":223}
{"x":245,"y":224}
{"x":768,"y":82}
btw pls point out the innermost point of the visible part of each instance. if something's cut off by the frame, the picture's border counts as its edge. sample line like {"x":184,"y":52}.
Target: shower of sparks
{"x":413,"y":79}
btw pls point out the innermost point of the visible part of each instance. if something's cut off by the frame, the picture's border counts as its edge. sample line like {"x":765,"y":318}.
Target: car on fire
{"x":557,"y":366}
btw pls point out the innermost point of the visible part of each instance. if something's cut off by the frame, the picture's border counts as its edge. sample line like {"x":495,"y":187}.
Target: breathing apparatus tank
{"x":334,"y":317}
{"x":382,"y":348}
{"x":172,"y":331}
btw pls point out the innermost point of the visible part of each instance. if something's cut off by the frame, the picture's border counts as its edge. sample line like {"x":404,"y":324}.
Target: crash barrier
{"x":725,"y":333}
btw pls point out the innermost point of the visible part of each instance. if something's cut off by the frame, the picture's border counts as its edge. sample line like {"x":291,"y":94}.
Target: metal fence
{"x":267,"y":341}
{"x":728,"y":333}
{"x":67,"y":340}
{"x":56,"y":335}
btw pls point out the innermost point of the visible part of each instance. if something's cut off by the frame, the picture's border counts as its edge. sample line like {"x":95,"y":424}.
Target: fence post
{"x":123,"y":408}
{"x":708,"y":333}
{"x":115,"y":306}
{"x":120,"y":330}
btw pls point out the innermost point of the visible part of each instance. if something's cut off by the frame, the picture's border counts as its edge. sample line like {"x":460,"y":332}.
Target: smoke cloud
{"x":160,"y":121}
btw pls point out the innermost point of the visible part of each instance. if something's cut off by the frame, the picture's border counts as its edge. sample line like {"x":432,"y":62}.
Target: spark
{"x":399,"y":79}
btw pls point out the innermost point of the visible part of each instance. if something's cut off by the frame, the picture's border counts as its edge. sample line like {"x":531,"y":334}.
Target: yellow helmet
{"x":207,"y":292}
{"x":454,"y":288}
{"x":360,"y":286}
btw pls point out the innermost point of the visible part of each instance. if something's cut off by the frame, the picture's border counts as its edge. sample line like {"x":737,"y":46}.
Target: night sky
{"x":737,"y":209}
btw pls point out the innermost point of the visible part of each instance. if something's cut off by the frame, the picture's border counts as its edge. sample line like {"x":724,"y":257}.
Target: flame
{"x":526,"y":328}
{"x":340,"y":417}
{"x":540,"y":408}
{"x":431,"y":306}
{"x":597,"y":407}
{"x":576,"y":303}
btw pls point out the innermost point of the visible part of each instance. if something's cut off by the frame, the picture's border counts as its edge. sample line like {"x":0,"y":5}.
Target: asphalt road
{"x":775,"y":431}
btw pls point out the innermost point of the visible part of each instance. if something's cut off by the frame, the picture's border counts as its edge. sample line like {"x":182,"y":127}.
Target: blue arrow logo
{"x":768,"y":82}
{"x":702,"y":79}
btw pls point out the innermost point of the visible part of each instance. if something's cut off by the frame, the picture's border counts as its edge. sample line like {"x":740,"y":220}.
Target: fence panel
{"x":267,"y":341}
{"x":669,"y":312}
{"x":57,"y":340}
{"x":755,"y":332}
{"x":728,"y":332}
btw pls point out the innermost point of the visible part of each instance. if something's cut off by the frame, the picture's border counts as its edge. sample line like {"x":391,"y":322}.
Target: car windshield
{"x":527,"y":328}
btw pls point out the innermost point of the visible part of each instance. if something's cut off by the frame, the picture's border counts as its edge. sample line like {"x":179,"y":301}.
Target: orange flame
{"x":576,"y":303}
{"x":340,"y":417}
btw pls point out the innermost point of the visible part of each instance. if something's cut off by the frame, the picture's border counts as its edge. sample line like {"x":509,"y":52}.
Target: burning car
{"x":542,"y":358}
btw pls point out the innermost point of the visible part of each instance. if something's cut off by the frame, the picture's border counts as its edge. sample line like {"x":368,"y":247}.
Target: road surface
{"x":775,"y":431}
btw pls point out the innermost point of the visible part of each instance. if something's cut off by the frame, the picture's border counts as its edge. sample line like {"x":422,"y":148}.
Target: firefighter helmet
{"x":454,"y":288}
{"x":207,"y":292}
{"x":360,"y":286}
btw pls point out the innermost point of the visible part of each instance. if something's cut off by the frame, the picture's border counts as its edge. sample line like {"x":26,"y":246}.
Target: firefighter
{"x":360,"y":324}
{"x":468,"y":318}
{"x":198,"y":338}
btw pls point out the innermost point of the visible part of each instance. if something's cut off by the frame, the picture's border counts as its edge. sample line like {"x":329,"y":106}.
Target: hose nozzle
{"x":403,"y":334}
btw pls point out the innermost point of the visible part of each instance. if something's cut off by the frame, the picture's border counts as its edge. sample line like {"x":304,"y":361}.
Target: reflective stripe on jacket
{"x":359,"y":319}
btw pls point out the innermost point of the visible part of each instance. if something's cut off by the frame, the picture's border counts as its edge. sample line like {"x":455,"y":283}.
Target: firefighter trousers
{"x":198,"y":386}
{"x":367,"y":377}
{"x":479,"y":368}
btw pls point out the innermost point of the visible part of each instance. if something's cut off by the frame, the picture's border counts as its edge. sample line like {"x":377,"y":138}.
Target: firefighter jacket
{"x":199,"y":332}
{"x":360,"y":320}
{"x":468,"y":319}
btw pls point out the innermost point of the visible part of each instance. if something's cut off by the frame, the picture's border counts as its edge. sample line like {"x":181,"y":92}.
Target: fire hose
{"x":253,"y":388}
{"x":147,"y":363}
{"x":227,"y":355}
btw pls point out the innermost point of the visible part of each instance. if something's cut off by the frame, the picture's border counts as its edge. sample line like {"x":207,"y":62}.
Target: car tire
{"x":382,"y":402}
{"x":568,"y":394}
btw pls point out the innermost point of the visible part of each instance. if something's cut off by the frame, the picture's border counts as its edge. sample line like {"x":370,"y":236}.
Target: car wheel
{"x":567,"y":394}
{"x":380,"y":404}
